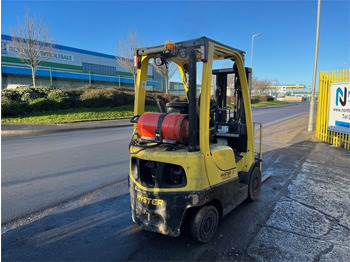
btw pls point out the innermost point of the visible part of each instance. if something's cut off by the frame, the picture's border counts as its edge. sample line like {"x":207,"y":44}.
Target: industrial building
{"x":69,"y":67}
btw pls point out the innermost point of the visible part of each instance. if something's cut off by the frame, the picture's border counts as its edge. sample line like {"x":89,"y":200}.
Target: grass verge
{"x":268,"y":103}
{"x":90,"y":114}
{"x":262,"y":103}
{"x":75,"y":115}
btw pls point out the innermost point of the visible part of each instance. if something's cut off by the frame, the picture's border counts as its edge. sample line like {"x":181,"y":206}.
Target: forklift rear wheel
{"x":204,"y":223}
{"x":254,"y":184}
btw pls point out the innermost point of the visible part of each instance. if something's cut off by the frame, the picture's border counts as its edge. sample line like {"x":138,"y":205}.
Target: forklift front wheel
{"x":204,"y":223}
{"x":254,"y":184}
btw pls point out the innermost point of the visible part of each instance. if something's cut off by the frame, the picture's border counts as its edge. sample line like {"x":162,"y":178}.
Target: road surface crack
{"x":291,"y":232}
{"x":327,"y":165}
{"x":329,"y":217}
{"x":324,"y":252}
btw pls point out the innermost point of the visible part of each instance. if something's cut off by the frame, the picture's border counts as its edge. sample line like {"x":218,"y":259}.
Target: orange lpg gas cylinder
{"x":174,"y":126}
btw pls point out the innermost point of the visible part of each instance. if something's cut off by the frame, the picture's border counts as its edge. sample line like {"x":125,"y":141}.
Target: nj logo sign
{"x":341,"y":96}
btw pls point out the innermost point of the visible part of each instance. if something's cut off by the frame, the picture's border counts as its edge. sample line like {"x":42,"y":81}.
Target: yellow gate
{"x":322,"y":132}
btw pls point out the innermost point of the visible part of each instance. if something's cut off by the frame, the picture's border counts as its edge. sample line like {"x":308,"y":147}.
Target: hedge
{"x":21,"y":101}
{"x":259,"y":98}
{"x":11,"y":107}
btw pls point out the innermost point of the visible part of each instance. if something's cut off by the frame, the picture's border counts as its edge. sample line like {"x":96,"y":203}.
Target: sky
{"x":284,"y":51}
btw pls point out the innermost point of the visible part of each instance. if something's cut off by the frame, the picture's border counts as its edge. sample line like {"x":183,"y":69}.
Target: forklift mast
{"x":231,"y":123}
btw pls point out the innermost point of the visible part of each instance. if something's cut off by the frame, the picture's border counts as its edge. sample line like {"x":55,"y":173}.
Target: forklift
{"x":193,"y":162}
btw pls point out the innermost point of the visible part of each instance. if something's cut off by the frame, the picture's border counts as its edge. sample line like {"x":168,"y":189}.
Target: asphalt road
{"x":272,"y":115}
{"x":301,"y":215}
{"x":41,"y":171}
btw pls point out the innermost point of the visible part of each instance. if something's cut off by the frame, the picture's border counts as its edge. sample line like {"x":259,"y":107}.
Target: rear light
{"x":134,"y":168}
{"x":203,"y":58}
{"x":169,"y":46}
{"x":176,"y":175}
{"x":136,"y":61}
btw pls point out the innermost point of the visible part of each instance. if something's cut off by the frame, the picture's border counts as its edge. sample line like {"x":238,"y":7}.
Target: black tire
{"x":204,"y":224}
{"x":254,"y":184}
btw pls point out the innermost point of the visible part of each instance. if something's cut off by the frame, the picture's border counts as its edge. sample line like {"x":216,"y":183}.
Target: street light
{"x":251,"y":62}
{"x":312,"y":99}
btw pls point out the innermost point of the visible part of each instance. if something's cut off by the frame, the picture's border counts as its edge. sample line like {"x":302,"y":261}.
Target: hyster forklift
{"x":192,"y":162}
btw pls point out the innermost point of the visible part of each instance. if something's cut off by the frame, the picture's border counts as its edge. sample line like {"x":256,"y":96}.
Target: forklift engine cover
{"x":173,"y":127}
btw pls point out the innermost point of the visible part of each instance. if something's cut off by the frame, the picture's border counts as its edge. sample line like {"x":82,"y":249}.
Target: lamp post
{"x":251,"y":62}
{"x":312,"y":99}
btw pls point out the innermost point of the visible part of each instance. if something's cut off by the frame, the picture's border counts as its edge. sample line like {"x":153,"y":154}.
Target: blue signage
{"x":339,"y":108}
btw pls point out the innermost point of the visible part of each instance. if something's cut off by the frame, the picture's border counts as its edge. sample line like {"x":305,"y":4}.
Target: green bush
{"x":170,"y":98}
{"x":259,"y":98}
{"x":96,"y":98}
{"x":13,"y":108}
{"x":74,"y":97}
{"x":11,"y":94}
{"x":123,"y":98}
{"x":44,"y":90}
{"x":43,"y":104}
{"x":61,"y":98}
{"x":29,"y":93}
{"x":57,"y":95}
{"x":105,"y":97}
{"x":25,"y":93}
{"x":27,"y":99}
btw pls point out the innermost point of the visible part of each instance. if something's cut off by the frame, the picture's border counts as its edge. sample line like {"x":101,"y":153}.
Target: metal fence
{"x":322,"y":132}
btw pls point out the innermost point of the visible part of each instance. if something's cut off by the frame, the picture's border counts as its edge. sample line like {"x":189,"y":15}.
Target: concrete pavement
{"x":311,"y":219}
{"x":302,"y":215}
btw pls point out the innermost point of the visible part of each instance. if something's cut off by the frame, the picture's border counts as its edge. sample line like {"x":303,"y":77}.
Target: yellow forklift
{"x":193,"y":162}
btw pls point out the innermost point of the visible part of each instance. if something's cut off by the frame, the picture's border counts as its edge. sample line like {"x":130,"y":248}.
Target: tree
{"x":260,"y":85}
{"x":31,"y":42}
{"x":125,"y":52}
{"x":166,"y":71}
{"x":274,"y":82}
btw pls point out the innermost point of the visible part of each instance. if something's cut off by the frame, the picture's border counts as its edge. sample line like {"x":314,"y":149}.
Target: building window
{"x":99,"y":69}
